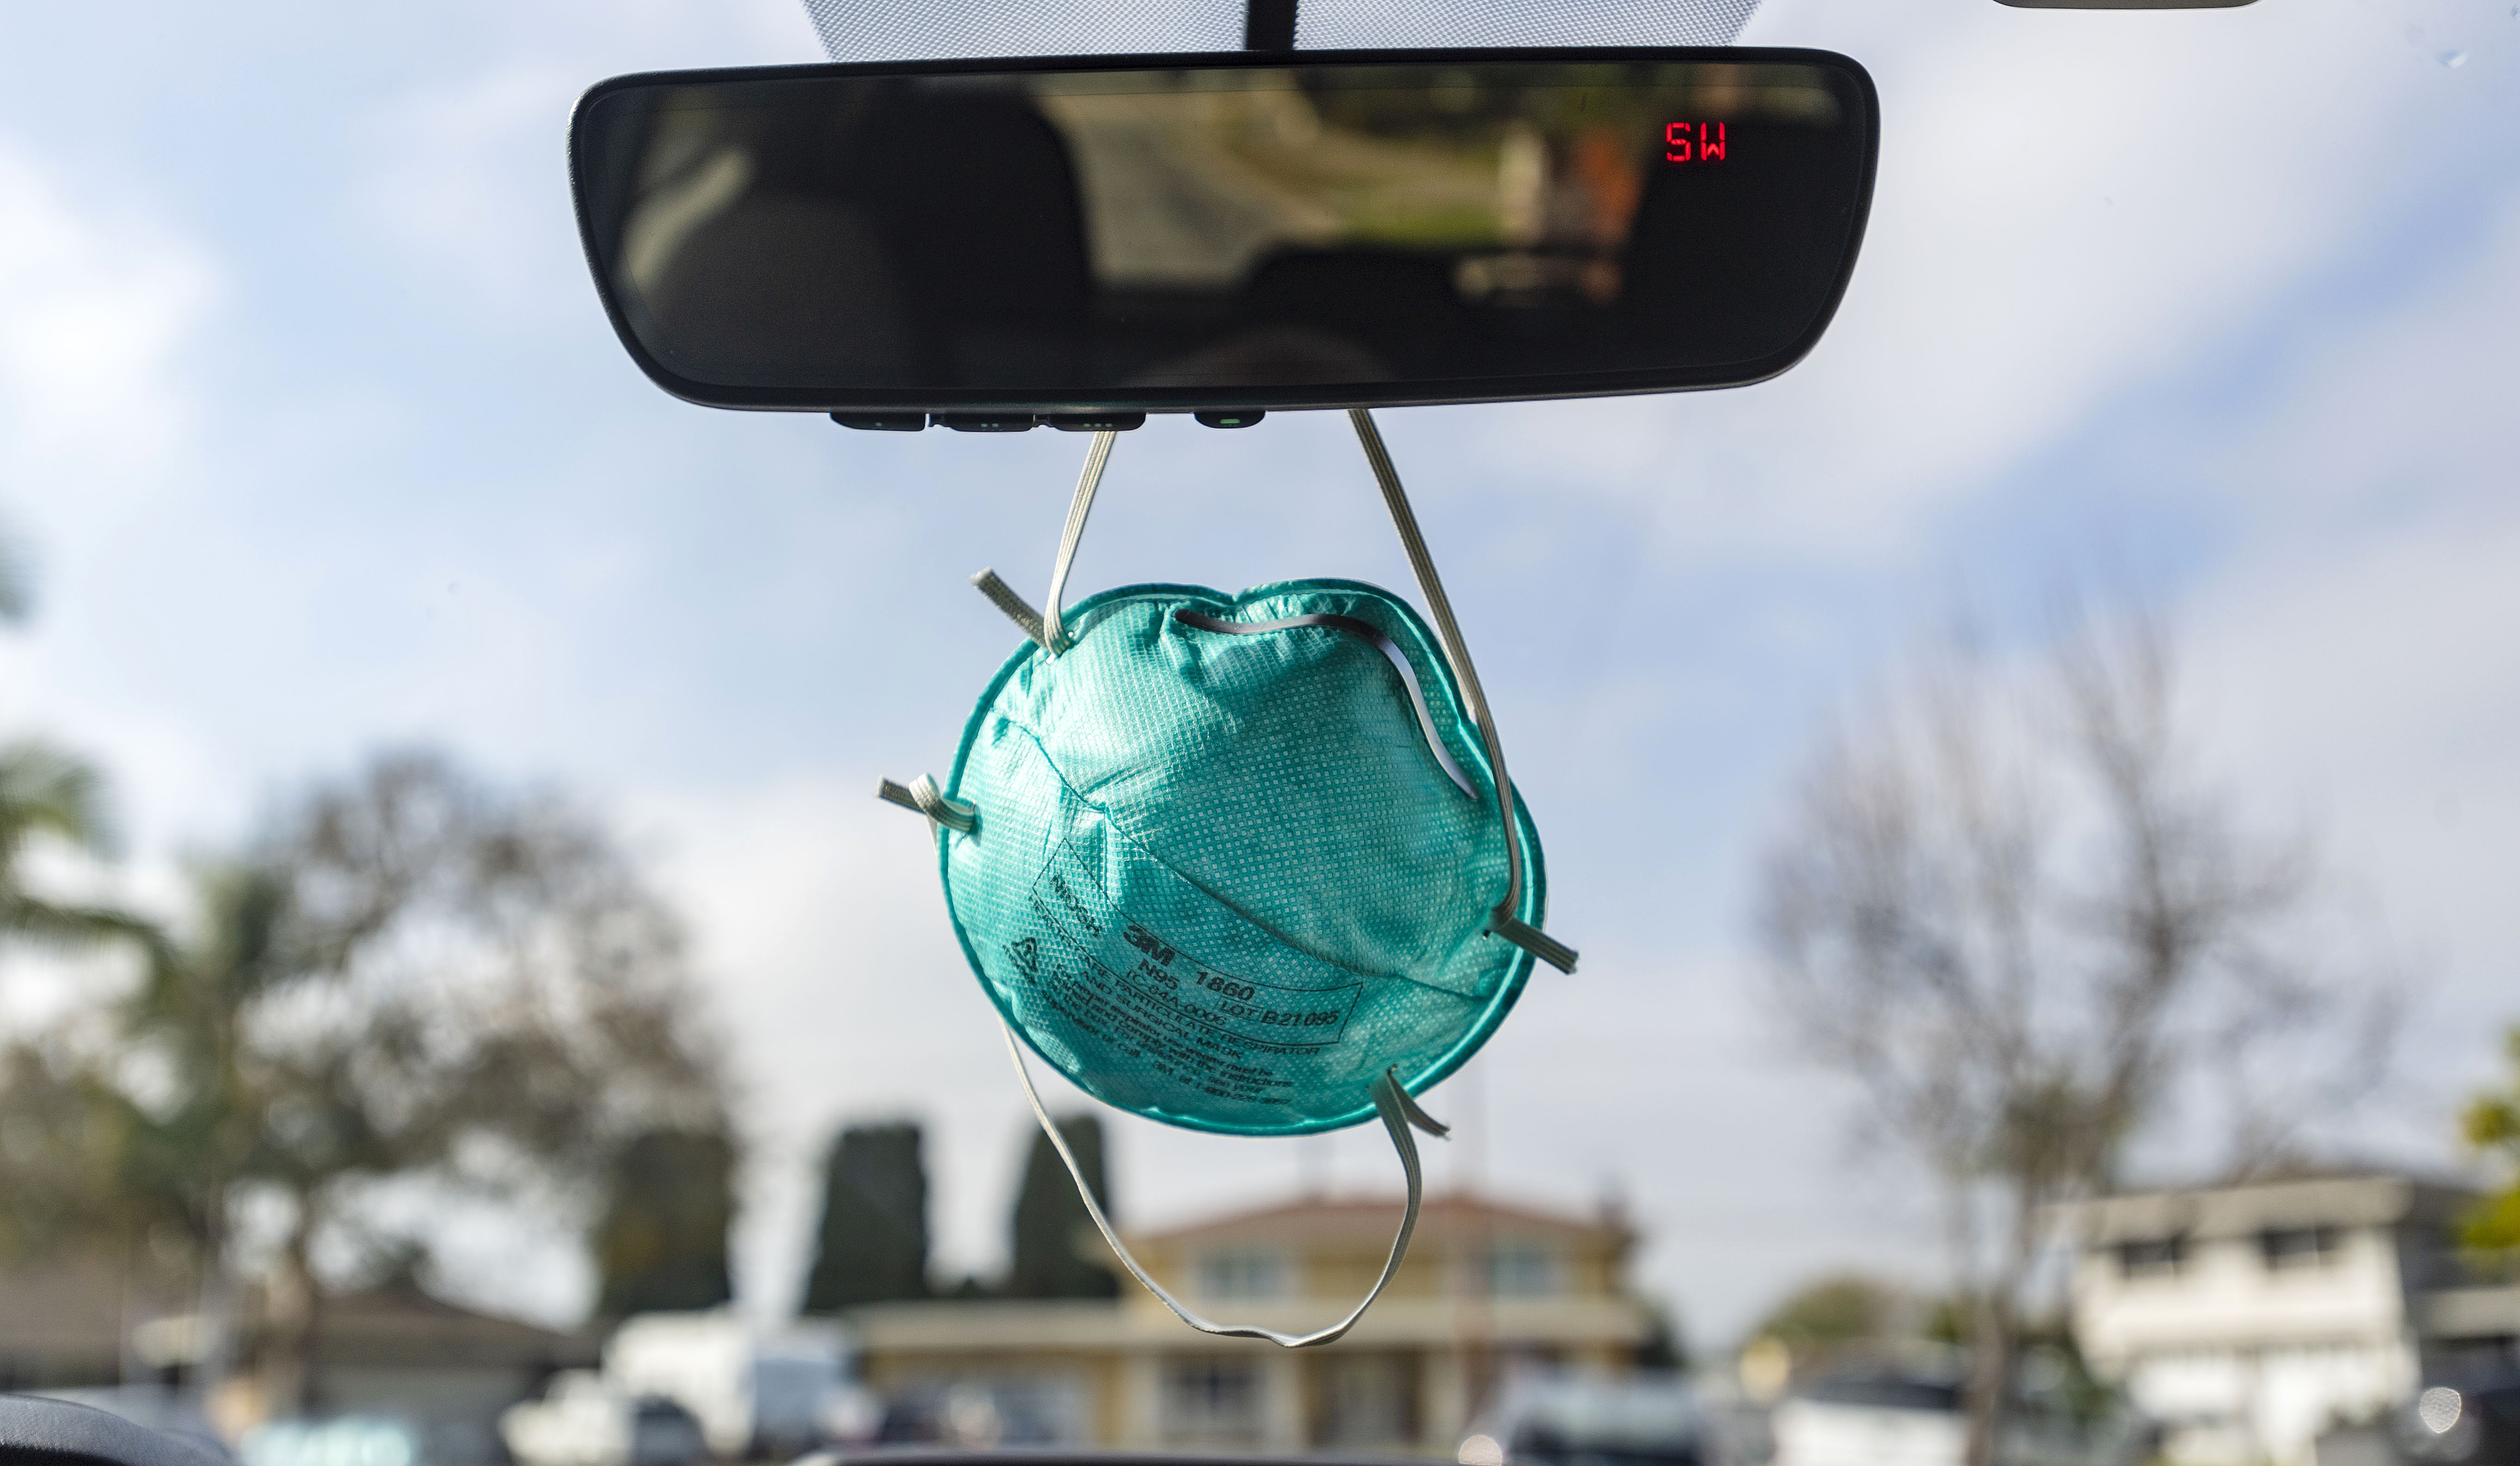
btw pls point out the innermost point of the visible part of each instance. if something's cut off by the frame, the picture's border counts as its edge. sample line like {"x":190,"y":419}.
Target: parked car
{"x":1651,"y":1420}
{"x":584,"y":1420}
{"x":333,"y":1441}
{"x":577,"y":1422}
{"x":1902,"y":1415}
{"x":762,"y":1393}
{"x":664,"y":1433}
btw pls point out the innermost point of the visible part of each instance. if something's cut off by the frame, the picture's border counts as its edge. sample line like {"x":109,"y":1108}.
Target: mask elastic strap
{"x":922,"y":794}
{"x":1398,"y":1111}
{"x":1501,"y":921}
{"x":1054,"y":636}
{"x":1044,"y":626}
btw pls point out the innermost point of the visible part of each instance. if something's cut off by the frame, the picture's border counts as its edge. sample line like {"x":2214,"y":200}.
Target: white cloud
{"x":94,"y":309}
{"x":100,"y":306}
{"x":465,"y":170}
{"x":446,"y":185}
{"x":2359,"y":649}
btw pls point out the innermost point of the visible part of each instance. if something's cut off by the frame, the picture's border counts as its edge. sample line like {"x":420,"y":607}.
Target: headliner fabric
{"x":936,"y":30}
{"x":1336,"y":25}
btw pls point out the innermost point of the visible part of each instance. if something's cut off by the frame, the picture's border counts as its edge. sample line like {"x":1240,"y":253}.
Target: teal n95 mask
{"x":1243,"y":863}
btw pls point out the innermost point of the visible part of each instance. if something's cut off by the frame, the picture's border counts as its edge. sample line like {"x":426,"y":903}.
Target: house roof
{"x":1449,"y":1217}
{"x":404,"y":1327}
{"x":2344,"y":1198}
{"x":72,"y":1309}
{"x":75,"y":1313}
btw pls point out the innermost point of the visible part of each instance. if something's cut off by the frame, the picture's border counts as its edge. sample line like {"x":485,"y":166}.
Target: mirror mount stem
{"x":1269,"y":26}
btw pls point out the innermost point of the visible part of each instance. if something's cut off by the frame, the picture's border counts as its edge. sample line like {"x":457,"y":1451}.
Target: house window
{"x":1243,"y":1273}
{"x":2288,"y":1248}
{"x":1215,"y":1402}
{"x":2152,"y":1258}
{"x":1524,"y":1270}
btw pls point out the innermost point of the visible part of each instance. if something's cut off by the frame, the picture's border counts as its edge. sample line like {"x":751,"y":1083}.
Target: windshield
{"x":2032,"y":786}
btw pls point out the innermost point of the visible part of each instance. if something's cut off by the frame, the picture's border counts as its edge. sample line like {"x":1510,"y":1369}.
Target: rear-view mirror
{"x":1100,"y":237}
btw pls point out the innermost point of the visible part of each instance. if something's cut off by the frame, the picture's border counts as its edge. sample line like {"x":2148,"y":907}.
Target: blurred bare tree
{"x":2016,"y":913}
{"x":414,"y":977}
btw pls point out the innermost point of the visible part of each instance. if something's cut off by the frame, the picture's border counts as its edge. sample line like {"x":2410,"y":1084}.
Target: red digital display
{"x":1692,"y":142}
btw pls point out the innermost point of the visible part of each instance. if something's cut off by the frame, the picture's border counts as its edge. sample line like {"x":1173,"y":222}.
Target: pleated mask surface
{"x":1224,"y":872}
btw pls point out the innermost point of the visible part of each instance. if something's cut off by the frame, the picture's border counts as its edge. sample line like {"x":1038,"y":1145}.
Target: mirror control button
{"x":988,"y":422}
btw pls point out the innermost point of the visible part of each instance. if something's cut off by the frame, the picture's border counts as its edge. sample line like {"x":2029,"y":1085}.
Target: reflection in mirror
{"x":1247,"y":234}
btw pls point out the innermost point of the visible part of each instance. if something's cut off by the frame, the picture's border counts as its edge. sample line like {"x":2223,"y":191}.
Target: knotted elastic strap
{"x":1044,"y":626}
{"x":1398,"y":1111}
{"x":1004,"y":597}
{"x":1501,"y":921}
{"x":922,"y":794}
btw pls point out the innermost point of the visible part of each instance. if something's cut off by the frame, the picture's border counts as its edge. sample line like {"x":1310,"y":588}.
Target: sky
{"x":320,"y":442}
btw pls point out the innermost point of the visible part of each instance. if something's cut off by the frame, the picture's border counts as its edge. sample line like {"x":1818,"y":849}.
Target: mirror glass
{"x":1231,"y":233}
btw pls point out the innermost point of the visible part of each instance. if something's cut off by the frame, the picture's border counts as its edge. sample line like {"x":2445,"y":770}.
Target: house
{"x":2248,"y":1318}
{"x":446,"y":1371}
{"x":65,"y":1321}
{"x":393,"y":1351}
{"x":1487,"y":1289}
{"x":120,"y":1338}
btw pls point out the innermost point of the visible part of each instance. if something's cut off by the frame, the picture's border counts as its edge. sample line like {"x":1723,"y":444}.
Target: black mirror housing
{"x":1085,"y":239}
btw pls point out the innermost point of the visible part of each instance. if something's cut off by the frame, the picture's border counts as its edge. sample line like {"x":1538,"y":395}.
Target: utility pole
{"x":1474,"y":1326}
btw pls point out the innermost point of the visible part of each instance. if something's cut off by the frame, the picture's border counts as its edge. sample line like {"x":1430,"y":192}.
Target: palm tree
{"x":17,"y":582}
{"x":177,"y":1161}
{"x":48,"y":793}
